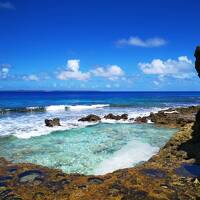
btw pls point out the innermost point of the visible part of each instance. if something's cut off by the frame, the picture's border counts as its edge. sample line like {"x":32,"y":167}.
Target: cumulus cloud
{"x":31,"y":77}
{"x":6,"y":5}
{"x":73,"y":72}
{"x":136,"y":41}
{"x":4,"y":71}
{"x":180,"y":68}
{"x":112,"y":72}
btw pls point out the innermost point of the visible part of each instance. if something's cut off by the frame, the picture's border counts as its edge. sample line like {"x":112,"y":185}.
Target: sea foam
{"x":128,"y":156}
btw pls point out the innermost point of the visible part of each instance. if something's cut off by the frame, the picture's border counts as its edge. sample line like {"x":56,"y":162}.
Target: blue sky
{"x":137,"y":45}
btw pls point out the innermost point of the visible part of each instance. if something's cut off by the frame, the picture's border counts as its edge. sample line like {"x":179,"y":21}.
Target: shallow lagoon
{"x":95,"y":149}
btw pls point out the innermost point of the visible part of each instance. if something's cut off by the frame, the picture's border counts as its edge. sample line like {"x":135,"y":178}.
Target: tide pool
{"x":95,"y":149}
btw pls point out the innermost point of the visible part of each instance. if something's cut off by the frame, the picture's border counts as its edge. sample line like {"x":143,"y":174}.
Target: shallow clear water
{"x":95,"y":149}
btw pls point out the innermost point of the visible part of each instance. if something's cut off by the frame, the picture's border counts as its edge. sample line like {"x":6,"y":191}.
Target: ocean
{"x":82,"y":147}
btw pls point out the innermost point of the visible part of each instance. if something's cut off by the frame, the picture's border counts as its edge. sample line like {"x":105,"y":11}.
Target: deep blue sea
{"x":88,"y":148}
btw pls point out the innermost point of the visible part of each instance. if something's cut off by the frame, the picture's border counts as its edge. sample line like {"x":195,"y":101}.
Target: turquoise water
{"x":95,"y":149}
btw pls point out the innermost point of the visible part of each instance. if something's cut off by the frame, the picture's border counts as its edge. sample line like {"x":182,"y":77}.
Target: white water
{"x":129,"y":155}
{"x":28,"y":125}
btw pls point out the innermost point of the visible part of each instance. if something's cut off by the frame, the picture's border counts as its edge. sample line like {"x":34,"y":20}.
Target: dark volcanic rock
{"x":90,"y":118}
{"x":52,"y":122}
{"x":141,"y":119}
{"x":116,"y":117}
{"x":197,"y":62}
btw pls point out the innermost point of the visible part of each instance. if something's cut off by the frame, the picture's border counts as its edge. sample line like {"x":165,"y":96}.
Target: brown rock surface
{"x":173,"y":118}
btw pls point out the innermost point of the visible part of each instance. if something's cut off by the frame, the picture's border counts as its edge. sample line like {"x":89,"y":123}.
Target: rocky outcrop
{"x":197,"y":62}
{"x":173,"y":118}
{"x":141,"y":119}
{"x":116,"y":117}
{"x":90,"y":118}
{"x":52,"y":122}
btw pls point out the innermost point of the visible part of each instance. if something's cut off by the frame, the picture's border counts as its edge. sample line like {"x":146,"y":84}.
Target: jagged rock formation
{"x":90,"y":118}
{"x":52,"y":122}
{"x":197,"y":62}
{"x":116,"y":117}
{"x":173,"y":118}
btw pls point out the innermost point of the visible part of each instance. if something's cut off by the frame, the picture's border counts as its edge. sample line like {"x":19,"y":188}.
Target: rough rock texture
{"x":197,"y":62}
{"x":116,"y":117}
{"x":90,"y":118}
{"x":174,"y":118}
{"x":52,"y":122}
{"x":172,"y":174}
{"x":140,"y":119}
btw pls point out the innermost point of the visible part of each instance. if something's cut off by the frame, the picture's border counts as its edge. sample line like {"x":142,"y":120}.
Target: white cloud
{"x":4,"y":71}
{"x":31,"y":77}
{"x":136,"y":41}
{"x":7,"y":5}
{"x":112,"y":72}
{"x":180,"y":68}
{"x":73,"y":65}
{"x":73,"y":72}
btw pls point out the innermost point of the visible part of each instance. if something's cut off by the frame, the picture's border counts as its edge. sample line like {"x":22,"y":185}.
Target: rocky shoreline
{"x":173,"y":173}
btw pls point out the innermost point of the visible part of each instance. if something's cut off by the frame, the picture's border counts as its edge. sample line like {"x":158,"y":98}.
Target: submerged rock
{"x":52,"y":122}
{"x":90,"y":118}
{"x":116,"y":117}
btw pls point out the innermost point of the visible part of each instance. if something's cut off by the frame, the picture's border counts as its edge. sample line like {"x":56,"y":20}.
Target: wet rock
{"x":95,"y":180}
{"x":3,"y":185}
{"x":90,"y":118}
{"x":12,"y":170}
{"x":65,"y":181}
{"x":82,"y":186}
{"x":52,"y":122}
{"x":141,"y":119}
{"x":175,"y":118}
{"x":5,"y":178}
{"x":55,"y":186}
{"x":197,"y":62}
{"x":155,"y":173}
{"x":31,"y":176}
{"x":5,"y":193}
{"x":116,"y":117}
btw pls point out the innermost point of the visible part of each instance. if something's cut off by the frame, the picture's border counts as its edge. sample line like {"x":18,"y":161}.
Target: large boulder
{"x":116,"y":117}
{"x":52,"y":122}
{"x":197,"y":62}
{"x":90,"y":118}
